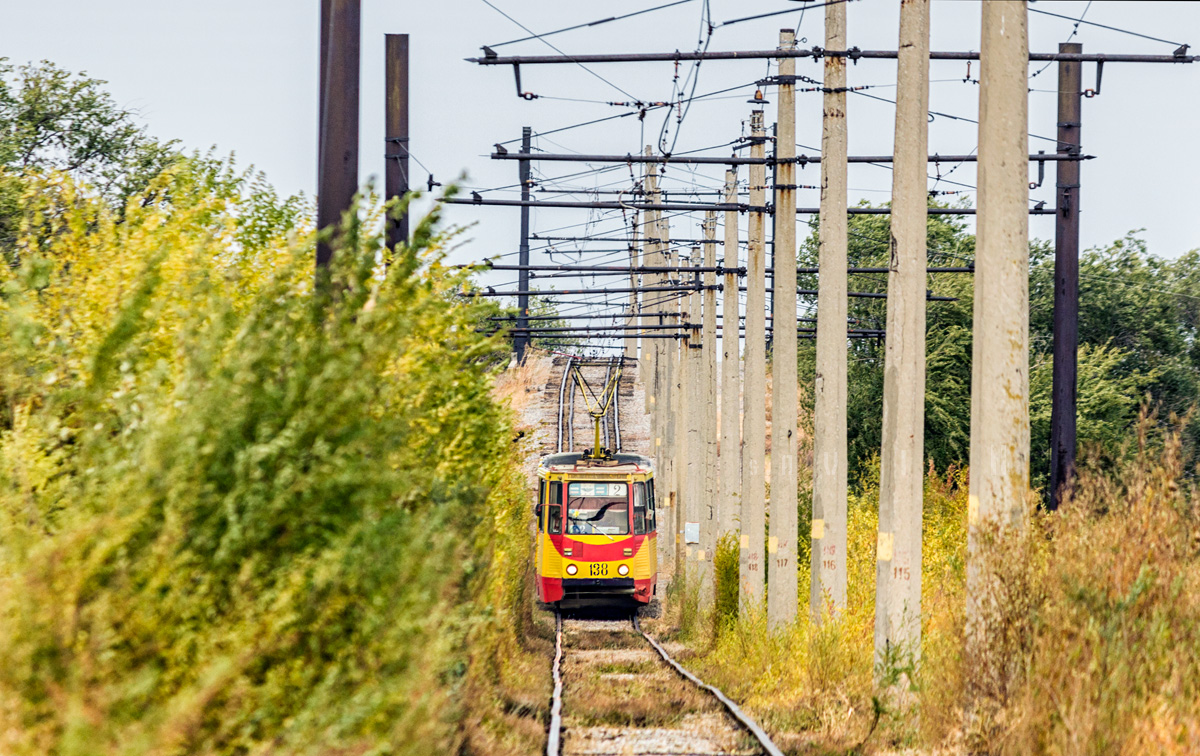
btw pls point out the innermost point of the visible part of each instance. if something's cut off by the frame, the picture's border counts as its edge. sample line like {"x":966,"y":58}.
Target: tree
{"x":54,"y":120}
{"x":1139,"y":335}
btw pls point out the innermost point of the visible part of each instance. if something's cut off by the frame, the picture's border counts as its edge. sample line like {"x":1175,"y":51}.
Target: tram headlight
{"x":572,"y":569}
{"x":623,"y":570}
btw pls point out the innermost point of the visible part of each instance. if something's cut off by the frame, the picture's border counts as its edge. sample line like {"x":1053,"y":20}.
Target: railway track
{"x":571,"y":414}
{"x":618,"y":691}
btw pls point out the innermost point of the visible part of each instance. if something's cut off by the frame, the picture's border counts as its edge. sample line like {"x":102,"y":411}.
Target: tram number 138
{"x":599,"y":570}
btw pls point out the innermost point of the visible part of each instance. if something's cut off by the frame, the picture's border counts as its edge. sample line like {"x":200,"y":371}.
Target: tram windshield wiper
{"x":590,"y":520}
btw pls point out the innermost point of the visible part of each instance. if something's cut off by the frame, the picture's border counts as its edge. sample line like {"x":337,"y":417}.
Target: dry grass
{"x":521,"y":384}
{"x":1094,"y":640}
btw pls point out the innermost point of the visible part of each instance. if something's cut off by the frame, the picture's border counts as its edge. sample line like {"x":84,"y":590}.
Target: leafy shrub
{"x":237,"y":516}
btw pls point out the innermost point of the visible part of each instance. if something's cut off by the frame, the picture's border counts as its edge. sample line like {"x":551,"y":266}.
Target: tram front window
{"x":597,"y":508}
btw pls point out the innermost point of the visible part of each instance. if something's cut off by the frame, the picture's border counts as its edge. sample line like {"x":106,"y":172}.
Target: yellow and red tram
{"x":597,"y":535}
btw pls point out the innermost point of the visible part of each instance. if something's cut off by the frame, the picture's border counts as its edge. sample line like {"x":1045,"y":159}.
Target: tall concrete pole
{"x":781,"y":545}
{"x":631,"y":345}
{"x":898,"y":552}
{"x":1066,"y":276}
{"x":692,"y":463}
{"x":731,"y":363}
{"x":337,"y":136}
{"x":754,"y":418}
{"x":1000,"y":354}
{"x":669,"y":371}
{"x":396,"y":132}
{"x":829,"y":442}
{"x":651,"y":255}
{"x":710,"y":504}
{"x":677,"y":427}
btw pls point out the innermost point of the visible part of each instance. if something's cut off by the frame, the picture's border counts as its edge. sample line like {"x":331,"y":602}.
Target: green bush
{"x":236,"y":516}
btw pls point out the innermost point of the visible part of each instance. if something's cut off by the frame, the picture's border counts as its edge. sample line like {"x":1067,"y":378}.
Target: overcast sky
{"x":241,"y":75}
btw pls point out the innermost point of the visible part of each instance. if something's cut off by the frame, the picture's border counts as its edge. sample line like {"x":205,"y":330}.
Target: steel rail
{"x":554,"y":735}
{"x":743,"y":719}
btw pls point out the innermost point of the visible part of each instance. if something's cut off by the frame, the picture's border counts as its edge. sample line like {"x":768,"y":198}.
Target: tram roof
{"x":578,"y":463}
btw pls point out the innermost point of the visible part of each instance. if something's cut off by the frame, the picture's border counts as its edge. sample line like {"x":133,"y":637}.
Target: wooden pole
{"x":1066,"y":276}
{"x":781,"y":546}
{"x":1000,"y":354}
{"x":337,"y":139}
{"x":754,"y":419}
{"x":829,"y":443}
{"x":731,"y":384}
{"x":396,"y":133}
{"x":898,"y":550}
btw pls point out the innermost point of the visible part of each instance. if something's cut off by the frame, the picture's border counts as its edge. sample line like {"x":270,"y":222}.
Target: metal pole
{"x":522,"y":342}
{"x":828,"y":587}
{"x":754,"y":420}
{"x":396,"y":132}
{"x":731,"y":410}
{"x":901,"y":491}
{"x":781,"y":545}
{"x":1066,"y":278}
{"x":337,"y":140}
{"x":1000,"y":353}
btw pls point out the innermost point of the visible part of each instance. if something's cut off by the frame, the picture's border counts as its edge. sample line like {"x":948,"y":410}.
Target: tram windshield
{"x":597,"y":508}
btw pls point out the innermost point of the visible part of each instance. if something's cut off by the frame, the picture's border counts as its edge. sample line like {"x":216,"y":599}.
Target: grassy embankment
{"x":1097,"y":628}
{"x":237,"y":516}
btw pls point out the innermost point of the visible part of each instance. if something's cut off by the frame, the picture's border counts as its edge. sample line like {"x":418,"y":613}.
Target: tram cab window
{"x":597,"y":508}
{"x":651,"y":513}
{"x":554,"y":508}
{"x":640,"y":509}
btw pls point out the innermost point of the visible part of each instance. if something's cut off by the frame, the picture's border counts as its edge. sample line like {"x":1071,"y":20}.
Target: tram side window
{"x":640,"y":511}
{"x":554,"y":508}
{"x":653,"y":506}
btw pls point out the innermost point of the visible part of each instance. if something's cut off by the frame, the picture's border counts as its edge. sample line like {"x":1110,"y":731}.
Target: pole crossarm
{"x":816,"y":53}
{"x":718,"y":269}
{"x":735,"y":160}
{"x":697,"y":207}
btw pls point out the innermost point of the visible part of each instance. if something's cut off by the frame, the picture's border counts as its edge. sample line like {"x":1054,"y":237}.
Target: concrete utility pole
{"x":1000,"y":355}
{"x":677,"y":370}
{"x":649,"y":356}
{"x":670,"y":372}
{"x":337,"y":138}
{"x":631,"y":350}
{"x":754,"y":419}
{"x":731,"y":404}
{"x":829,"y":442}
{"x":396,"y":133}
{"x":901,"y":481}
{"x":710,"y":504}
{"x":522,"y":341}
{"x":781,"y":546}
{"x":692,"y":467}
{"x":1066,"y":276}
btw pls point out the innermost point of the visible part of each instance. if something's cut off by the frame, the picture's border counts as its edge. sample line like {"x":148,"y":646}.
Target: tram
{"x":597,"y":535}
